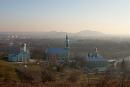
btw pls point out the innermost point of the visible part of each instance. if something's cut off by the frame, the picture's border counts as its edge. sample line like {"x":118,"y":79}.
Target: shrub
{"x":47,"y":76}
{"x":7,"y":72}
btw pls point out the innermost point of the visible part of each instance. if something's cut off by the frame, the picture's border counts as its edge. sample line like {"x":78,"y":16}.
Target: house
{"x":123,"y":64}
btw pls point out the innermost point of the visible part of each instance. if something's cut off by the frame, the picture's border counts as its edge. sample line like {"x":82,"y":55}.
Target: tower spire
{"x":96,"y":51}
{"x":67,"y":41}
{"x":25,"y":47}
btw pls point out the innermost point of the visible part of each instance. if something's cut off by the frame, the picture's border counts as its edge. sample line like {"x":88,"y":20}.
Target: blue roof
{"x":57,"y":51}
{"x":95,"y":58}
{"x":17,"y":56}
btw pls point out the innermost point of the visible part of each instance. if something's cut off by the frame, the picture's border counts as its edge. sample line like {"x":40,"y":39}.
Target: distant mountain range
{"x":81,"y":33}
{"x":56,"y":34}
{"x":89,"y":33}
{"x":85,"y":33}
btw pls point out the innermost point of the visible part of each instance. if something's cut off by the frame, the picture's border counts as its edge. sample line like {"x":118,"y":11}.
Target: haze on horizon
{"x":107,"y":16}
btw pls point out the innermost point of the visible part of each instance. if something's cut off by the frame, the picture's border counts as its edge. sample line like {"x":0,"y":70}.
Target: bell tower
{"x":25,"y":47}
{"x":67,"y":42}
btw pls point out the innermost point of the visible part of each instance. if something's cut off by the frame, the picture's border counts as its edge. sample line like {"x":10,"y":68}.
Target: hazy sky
{"x":108,"y":16}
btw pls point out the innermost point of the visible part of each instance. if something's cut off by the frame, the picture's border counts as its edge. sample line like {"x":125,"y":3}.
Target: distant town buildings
{"x":123,"y":63}
{"x":22,"y":55}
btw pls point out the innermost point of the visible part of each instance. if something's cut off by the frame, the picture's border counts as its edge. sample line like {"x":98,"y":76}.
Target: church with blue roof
{"x":58,"y":55}
{"x":96,"y":62}
{"x":22,"y":55}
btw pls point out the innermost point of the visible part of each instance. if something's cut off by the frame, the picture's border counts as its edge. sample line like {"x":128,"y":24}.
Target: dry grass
{"x":112,"y":83}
